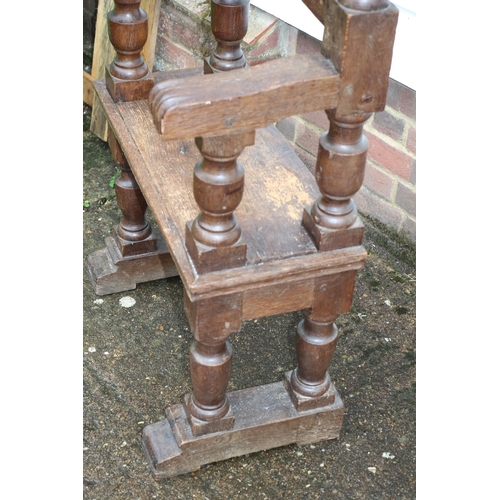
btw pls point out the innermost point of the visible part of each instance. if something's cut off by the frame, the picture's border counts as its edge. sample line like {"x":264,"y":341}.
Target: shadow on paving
{"x":136,"y":364}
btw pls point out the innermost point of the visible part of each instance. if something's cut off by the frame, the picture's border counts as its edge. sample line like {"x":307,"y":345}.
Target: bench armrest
{"x":244,"y":99}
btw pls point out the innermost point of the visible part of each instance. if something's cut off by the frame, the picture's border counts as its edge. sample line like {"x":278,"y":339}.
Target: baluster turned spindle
{"x":134,"y":231}
{"x":229,"y":26}
{"x":332,"y":221}
{"x":128,"y":77}
{"x":309,"y":385}
{"x":214,"y":239}
{"x":208,"y":408}
{"x":315,"y":345}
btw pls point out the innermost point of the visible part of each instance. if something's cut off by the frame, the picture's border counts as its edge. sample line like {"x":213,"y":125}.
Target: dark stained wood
{"x":244,"y":100}
{"x":229,"y":26}
{"x":111,"y":272}
{"x":104,"y":52}
{"x":315,"y":345}
{"x":208,"y":407}
{"x":128,"y":33}
{"x":276,"y":182}
{"x":128,"y":76}
{"x":333,"y":220}
{"x":124,"y":263}
{"x":214,"y":319}
{"x":211,"y":321}
{"x":264,"y":418}
{"x":213,"y":239}
{"x":360,"y":43}
{"x":134,"y":231}
{"x":250,"y":230}
{"x":309,"y":384}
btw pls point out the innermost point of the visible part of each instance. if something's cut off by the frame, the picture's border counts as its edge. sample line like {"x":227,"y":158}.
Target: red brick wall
{"x":389,"y":190}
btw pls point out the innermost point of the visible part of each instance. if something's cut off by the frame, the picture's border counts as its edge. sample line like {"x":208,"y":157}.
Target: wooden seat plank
{"x":277,"y":188}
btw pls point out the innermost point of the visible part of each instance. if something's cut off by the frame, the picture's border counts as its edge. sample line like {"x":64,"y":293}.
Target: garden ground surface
{"x":136,"y":363}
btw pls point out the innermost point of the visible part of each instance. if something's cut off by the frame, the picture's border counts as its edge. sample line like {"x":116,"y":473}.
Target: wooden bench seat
{"x":249,"y":230}
{"x":277,"y":188}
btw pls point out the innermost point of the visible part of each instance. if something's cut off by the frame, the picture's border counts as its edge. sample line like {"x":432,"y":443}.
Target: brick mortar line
{"x":392,"y":200}
{"x":315,"y":128}
{"x":392,"y":142}
{"x":394,"y":177}
{"x":318,"y":130}
{"x":171,"y":41}
{"x":391,"y":175}
{"x":400,"y":114}
{"x":405,"y":215}
{"x":409,"y":123}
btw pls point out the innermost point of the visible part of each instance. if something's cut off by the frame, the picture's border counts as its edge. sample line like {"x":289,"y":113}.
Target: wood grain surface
{"x":245,"y":99}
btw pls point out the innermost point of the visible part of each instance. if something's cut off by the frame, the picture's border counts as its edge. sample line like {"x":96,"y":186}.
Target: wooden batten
{"x":172,"y":449}
{"x":104,"y":53}
{"x":88,"y":89}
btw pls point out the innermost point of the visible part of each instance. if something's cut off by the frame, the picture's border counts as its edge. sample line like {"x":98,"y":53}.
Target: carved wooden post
{"x":214,"y":237}
{"x":333,"y":221}
{"x":214,"y":240}
{"x":229,"y":26}
{"x":128,"y":77}
{"x":134,"y":253}
{"x":211,"y":321}
{"x":309,"y":385}
{"x":133,"y":233}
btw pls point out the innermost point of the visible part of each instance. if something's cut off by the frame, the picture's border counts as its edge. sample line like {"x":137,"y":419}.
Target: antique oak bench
{"x":249,"y":230}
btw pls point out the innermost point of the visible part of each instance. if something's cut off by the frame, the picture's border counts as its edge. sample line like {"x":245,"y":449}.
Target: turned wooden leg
{"x":309,"y":385}
{"x":128,"y":77}
{"x":229,"y":27}
{"x":133,"y":253}
{"x":208,"y":407}
{"x":133,"y":228}
{"x":213,"y":239}
{"x":333,"y":221}
{"x":134,"y":234}
{"x":211,"y":322}
{"x":315,"y":345}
